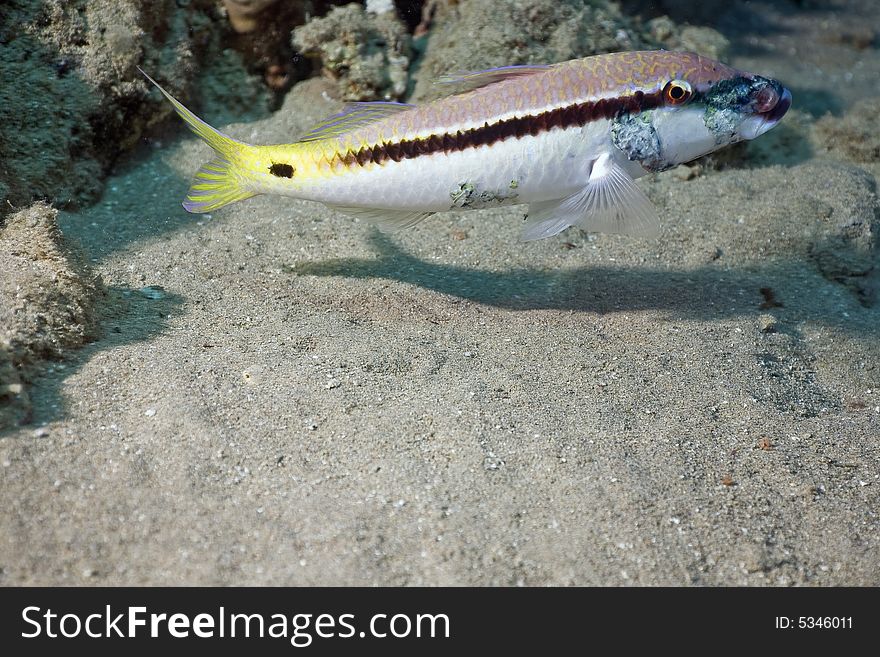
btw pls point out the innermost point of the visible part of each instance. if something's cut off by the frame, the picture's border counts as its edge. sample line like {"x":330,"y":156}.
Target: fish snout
{"x":770,"y":100}
{"x":778,"y":107}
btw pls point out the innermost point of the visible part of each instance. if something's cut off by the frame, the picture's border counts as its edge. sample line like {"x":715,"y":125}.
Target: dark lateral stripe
{"x":513,"y":128}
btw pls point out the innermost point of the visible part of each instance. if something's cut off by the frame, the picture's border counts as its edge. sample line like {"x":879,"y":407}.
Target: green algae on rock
{"x":78,"y":102}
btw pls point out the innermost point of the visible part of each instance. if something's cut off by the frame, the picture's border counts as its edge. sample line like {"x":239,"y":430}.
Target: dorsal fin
{"x":459,"y":83}
{"x":353,"y":115}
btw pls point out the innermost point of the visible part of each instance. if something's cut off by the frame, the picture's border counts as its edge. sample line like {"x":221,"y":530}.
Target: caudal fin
{"x":222,"y":180}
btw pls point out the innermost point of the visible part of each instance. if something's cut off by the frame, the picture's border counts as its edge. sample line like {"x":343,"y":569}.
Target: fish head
{"x":744,"y":107}
{"x":700,"y":106}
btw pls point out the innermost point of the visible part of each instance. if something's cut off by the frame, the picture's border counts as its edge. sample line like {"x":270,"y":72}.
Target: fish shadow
{"x":127,"y":317}
{"x":708,"y":292}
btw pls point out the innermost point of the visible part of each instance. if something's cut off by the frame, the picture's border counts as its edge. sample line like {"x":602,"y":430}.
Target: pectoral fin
{"x":611,"y":202}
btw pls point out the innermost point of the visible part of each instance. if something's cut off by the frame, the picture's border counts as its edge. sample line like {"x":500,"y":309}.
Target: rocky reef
{"x":365,"y":50}
{"x":48,"y":303}
{"x":79,"y":102}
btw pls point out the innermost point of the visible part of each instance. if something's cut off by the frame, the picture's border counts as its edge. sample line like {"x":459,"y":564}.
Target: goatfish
{"x":568,"y":139}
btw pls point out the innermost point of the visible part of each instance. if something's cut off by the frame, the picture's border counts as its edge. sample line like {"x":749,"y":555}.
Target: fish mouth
{"x":757,"y":124}
{"x":773,"y":115}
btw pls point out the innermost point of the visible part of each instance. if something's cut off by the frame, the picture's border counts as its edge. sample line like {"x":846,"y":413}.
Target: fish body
{"x":569,"y":139}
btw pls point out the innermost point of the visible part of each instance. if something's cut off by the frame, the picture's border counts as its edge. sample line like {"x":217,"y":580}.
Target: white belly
{"x":549,"y":166}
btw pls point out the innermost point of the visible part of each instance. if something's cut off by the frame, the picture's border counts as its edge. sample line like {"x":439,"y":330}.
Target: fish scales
{"x":568,"y":139}
{"x":516,"y":143}
{"x":567,"y":84}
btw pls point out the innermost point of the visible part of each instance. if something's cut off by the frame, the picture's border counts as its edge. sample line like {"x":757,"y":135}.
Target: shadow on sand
{"x":704,"y":293}
{"x":128,"y":317}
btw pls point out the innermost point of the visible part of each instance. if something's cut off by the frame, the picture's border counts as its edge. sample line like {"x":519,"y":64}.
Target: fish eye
{"x":677,"y":92}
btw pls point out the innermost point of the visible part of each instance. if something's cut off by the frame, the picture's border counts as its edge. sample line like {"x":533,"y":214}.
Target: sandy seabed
{"x":283,"y":395}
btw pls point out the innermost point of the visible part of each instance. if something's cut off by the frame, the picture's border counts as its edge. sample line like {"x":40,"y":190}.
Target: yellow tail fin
{"x":224,"y":179}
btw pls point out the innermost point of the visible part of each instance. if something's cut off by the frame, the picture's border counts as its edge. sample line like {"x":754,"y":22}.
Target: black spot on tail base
{"x":281,"y":169}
